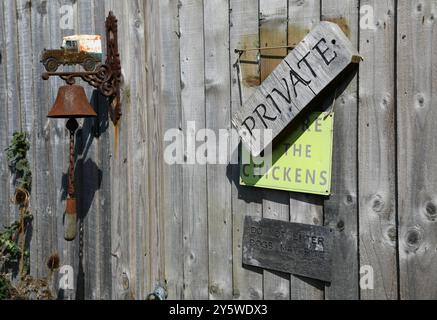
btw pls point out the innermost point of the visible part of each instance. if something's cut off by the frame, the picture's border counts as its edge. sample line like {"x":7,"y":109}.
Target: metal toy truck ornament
{"x":310,"y":68}
{"x":85,"y":50}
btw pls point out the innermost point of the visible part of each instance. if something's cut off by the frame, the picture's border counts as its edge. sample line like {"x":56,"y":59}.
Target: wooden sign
{"x":299,"y":249}
{"x":301,"y":161}
{"x":314,"y":64}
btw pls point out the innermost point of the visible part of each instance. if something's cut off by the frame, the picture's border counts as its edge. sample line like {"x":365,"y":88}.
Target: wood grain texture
{"x":195,"y":192}
{"x":4,"y":136}
{"x":377,"y":153}
{"x":25,"y":70}
{"x":103,"y":199}
{"x":273,"y":33}
{"x":12,"y":80}
{"x":170,"y":106}
{"x":244,"y":33}
{"x":155,"y":136}
{"x":44,"y":197}
{"x":417,"y":83}
{"x":133,"y":251}
{"x":25,"y":90}
{"x":121,"y":209}
{"x":138,"y":151}
{"x":147,"y":223}
{"x":87,"y":179}
{"x":54,"y":139}
{"x":341,"y":209}
{"x":218,"y":114}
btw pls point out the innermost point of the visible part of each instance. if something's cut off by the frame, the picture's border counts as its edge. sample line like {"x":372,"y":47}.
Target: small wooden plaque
{"x":299,"y":249}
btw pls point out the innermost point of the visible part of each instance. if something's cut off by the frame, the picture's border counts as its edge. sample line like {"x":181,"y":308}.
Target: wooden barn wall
{"x":145,"y":223}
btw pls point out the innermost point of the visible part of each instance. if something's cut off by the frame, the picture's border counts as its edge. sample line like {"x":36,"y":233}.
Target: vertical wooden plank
{"x":377,"y":169}
{"x":87,"y":175}
{"x":45,"y":243}
{"x":164,"y":115}
{"x":103,"y":200}
{"x":127,"y":248}
{"x":24,"y":69}
{"x":170,"y":109}
{"x":193,"y":114}
{"x":50,"y":146}
{"x":341,"y":210}
{"x":129,"y":159}
{"x":155,"y":160}
{"x":25,"y":84}
{"x":121,"y":215}
{"x":4,"y":136}
{"x":103,"y":223}
{"x":307,"y":209}
{"x":276,"y":204}
{"x":12,"y":81}
{"x":244,"y":33}
{"x":417,"y":180}
{"x":217,"y":90}
{"x":143,"y":267}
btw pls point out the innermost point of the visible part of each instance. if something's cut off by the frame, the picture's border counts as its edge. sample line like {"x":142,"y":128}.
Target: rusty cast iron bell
{"x":71,"y":103}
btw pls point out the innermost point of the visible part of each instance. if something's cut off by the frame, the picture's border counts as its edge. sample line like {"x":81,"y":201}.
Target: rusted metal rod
{"x":261,"y":49}
{"x":71,"y":210}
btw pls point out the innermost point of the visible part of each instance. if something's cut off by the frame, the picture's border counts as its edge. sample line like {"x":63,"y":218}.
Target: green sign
{"x":302,"y":161}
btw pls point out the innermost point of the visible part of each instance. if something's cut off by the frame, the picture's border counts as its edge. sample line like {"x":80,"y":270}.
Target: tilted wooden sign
{"x":299,"y":249}
{"x":314,"y":64}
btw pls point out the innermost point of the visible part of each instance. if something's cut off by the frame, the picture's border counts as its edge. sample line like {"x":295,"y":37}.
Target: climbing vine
{"x":17,"y":157}
{"x":13,"y":252}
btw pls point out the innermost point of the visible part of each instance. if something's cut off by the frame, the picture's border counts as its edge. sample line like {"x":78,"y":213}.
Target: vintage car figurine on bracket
{"x":84,"y":50}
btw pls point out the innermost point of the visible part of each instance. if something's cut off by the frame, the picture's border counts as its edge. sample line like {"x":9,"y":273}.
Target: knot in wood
{"x":391,"y":234}
{"x":431,"y":211}
{"x":413,"y":239}
{"x":341,"y":225}
{"x":378,"y":204}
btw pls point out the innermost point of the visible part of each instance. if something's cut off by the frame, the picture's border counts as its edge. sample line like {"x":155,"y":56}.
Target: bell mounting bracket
{"x":106,"y":77}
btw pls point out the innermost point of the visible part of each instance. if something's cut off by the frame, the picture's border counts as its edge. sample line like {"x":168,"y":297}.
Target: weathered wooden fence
{"x":146,"y":223}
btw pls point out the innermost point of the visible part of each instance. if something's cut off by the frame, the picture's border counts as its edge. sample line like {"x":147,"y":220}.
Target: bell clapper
{"x":71,"y":210}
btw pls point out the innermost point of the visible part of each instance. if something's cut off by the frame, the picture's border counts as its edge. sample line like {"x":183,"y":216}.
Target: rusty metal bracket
{"x":107,"y":77}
